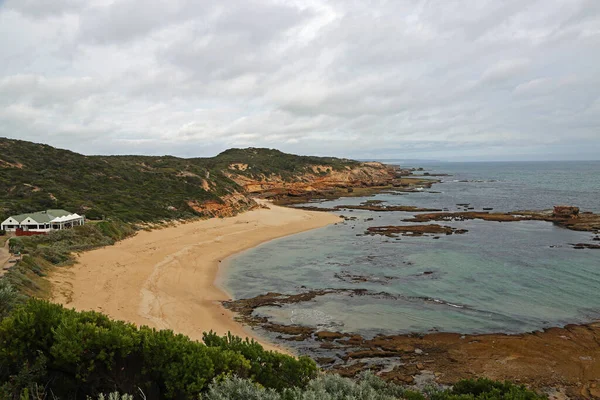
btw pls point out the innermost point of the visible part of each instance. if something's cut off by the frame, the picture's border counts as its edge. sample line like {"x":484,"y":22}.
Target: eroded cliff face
{"x":318,"y":178}
{"x":229,"y":206}
{"x":315,"y":179}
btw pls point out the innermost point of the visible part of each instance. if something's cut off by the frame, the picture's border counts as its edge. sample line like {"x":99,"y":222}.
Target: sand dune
{"x":166,"y":278}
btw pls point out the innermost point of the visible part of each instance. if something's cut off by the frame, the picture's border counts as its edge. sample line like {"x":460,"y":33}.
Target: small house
{"x":42,"y":222}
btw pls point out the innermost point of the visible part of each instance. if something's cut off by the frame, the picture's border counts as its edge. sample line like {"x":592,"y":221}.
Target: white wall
{"x":9,"y":221}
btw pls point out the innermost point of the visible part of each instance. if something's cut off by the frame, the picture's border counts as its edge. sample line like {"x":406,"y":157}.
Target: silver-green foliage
{"x":114,"y":396}
{"x":326,"y":387}
{"x":8,"y":297}
{"x":235,"y":388}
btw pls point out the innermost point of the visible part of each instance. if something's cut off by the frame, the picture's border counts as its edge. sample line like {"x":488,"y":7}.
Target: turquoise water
{"x":498,"y":277}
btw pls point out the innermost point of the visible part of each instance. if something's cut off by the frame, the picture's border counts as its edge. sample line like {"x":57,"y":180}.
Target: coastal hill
{"x":147,"y":188}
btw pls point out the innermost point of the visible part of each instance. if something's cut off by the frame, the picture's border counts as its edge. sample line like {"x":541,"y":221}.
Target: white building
{"x":43,"y":221}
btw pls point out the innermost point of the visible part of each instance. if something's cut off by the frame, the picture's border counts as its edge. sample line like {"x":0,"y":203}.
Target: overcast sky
{"x":437,"y":79}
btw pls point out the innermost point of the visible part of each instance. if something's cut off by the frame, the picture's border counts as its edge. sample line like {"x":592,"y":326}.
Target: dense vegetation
{"x":39,"y":253}
{"x":367,"y":387}
{"x":75,"y":354}
{"x":35,"y":177}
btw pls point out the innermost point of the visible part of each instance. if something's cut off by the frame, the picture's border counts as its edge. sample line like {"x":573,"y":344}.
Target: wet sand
{"x":166,"y":278}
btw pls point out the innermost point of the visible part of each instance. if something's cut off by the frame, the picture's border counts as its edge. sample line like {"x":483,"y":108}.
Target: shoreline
{"x":168,"y":278}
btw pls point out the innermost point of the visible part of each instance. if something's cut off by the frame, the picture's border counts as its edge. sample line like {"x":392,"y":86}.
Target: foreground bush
{"x":79,"y":354}
{"x":326,"y":387}
{"x":367,"y":387}
{"x":484,"y":389}
{"x":9,"y":297}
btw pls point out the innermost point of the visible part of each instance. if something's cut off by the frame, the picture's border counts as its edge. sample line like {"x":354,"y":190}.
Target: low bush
{"x":367,"y":387}
{"x":9,"y":297}
{"x":15,"y":245}
{"x":80,"y":354}
{"x":486,"y":389}
{"x":267,"y":367}
{"x":326,"y":387}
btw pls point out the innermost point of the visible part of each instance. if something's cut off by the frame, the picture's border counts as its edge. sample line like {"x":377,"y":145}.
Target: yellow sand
{"x":166,"y":278}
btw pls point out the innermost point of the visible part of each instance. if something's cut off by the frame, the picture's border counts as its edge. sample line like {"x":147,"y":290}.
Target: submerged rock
{"x":413,"y":230}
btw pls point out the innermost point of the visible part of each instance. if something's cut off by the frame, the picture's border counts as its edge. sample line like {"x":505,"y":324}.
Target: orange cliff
{"x":316,"y":178}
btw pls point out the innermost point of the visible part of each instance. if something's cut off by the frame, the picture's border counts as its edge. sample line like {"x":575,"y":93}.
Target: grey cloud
{"x":42,"y":8}
{"x":321,"y":76}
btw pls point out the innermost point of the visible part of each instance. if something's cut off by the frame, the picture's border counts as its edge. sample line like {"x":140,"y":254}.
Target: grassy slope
{"x":131,"y":188}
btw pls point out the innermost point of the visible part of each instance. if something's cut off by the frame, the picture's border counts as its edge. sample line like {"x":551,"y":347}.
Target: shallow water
{"x":498,"y":277}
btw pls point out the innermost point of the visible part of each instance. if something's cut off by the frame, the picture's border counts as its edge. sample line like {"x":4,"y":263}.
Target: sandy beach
{"x":166,"y":278}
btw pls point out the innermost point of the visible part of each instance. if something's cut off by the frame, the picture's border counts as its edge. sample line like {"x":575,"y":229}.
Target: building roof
{"x":45,"y":216}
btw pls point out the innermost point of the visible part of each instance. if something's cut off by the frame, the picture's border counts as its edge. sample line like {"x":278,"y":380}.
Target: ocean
{"x":506,"y":277}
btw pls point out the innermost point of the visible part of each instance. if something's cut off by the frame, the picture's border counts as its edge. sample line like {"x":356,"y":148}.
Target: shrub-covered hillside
{"x":132,"y":188}
{"x":263,"y":162}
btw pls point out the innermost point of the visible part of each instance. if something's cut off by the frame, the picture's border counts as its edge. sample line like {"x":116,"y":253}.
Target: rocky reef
{"x":414,"y":230}
{"x":586,"y":221}
{"x":383,"y":208}
{"x":564,"y":358}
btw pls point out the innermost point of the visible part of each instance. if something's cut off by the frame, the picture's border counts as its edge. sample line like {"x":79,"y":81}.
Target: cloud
{"x":411,"y":77}
{"x":43,"y":9}
{"x":505,"y":70}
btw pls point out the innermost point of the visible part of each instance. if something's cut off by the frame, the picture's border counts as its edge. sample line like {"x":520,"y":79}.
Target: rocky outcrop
{"x":565,"y":212}
{"x":317,"y":178}
{"x":229,"y":205}
{"x":567,"y":217}
{"x":6,"y":164}
{"x":414,"y":230}
{"x":380,"y":208}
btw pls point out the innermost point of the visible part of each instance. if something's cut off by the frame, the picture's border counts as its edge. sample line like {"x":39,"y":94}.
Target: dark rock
{"x":565,"y":212}
{"x":325,"y":335}
{"x":586,"y":246}
{"x":324,"y":360}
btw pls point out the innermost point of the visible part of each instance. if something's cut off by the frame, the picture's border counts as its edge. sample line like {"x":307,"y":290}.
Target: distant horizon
{"x":383,"y":160}
{"x":357,"y":158}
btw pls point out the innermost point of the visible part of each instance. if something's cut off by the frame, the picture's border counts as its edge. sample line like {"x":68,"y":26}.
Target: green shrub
{"x":2,"y":232}
{"x":486,"y":389}
{"x":9,"y":297}
{"x":86,"y":353}
{"x":15,"y":245}
{"x":271,"y":369}
{"x":94,"y":214}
